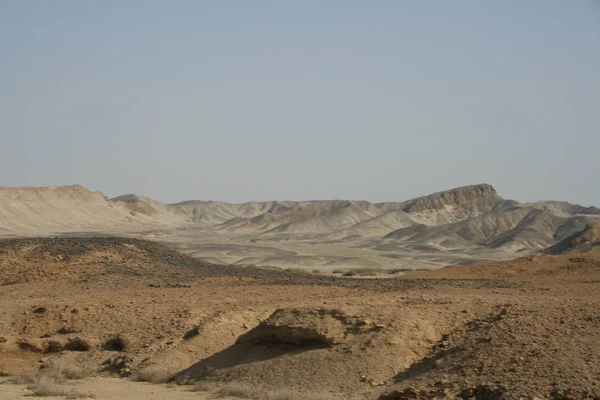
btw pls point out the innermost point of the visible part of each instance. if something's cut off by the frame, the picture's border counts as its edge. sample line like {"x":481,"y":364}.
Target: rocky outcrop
{"x":306,"y":327}
{"x":476,"y":197}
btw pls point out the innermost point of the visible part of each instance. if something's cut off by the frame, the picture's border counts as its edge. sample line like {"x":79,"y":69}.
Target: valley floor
{"x":327,"y":255}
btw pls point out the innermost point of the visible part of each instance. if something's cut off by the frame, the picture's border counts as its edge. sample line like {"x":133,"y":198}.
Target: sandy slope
{"x":27,"y":211}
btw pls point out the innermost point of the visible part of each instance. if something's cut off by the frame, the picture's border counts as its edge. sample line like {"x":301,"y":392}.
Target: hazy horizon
{"x":238,"y":101}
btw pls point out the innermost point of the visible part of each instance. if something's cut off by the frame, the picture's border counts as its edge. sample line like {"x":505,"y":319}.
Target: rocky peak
{"x":470,"y":197}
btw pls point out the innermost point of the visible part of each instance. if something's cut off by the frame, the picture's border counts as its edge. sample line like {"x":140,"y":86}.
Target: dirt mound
{"x":338,"y":350}
{"x":302,"y":327}
{"x":90,"y":259}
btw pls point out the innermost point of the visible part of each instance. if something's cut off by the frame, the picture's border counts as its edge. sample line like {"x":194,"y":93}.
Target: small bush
{"x":297,"y":270}
{"x":364,"y":272}
{"x":64,"y":368}
{"x":80,"y":395}
{"x":247,"y":391}
{"x":46,"y":386}
{"x":235,"y":389}
{"x":292,"y":395}
{"x":268,"y":267}
{"x":23,"y":378}
{"x":337,"y":271}
{"x":316,"y":271}
{"x":370,"y":272}
{"x":397,"y":270}
{"x":154,"y":374}
{"x":204,"y":387}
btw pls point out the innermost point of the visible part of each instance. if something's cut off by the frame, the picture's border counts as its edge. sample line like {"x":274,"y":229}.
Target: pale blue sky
{"x":258,"y":100}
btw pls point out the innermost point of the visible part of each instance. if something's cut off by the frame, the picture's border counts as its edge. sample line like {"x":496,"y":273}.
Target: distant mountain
{"x":46,"y":210}
{"x":451,"y":221}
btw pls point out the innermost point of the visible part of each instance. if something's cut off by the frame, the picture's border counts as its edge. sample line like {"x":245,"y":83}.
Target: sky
{"x":299,"y":100}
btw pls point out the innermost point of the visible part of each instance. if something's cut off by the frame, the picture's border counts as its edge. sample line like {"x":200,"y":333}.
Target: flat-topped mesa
{"x":474,"y":197}
{"x":36,"y":192}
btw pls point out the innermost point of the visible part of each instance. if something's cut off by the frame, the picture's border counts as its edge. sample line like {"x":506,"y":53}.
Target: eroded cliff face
{"x":479,"y":198}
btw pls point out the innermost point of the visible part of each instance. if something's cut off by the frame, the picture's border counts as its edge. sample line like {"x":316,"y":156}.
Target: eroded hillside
{"x":524,"y":328}
{"x":462,"y":225}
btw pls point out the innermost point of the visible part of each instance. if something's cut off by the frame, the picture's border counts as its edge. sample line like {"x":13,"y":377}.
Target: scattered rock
{"x":65,"y":330}
{"x":79,"y":344}
{"x":302,"y":327}
{"x":54,"y":346}
{"x":34,"y":345}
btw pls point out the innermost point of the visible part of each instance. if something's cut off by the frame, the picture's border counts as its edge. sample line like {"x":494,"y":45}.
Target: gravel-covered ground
{"x":524,"y":328}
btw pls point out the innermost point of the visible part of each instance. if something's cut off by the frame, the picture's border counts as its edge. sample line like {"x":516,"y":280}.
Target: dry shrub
{"x":54,"y":370}
{"x":204,"y":387}
{"x":154,"y":374}
{"x":80,"y":395}
{"x":237,"y":389}
{"x":293,"y":395}
{"x":247,"y":391}
{"x":364,"y":272}
{"x":46,"y":386}
{"x":65,"y":368}
{"x":395,"y":271}
{"x":23,"y":378}
{"x":297,"y":270}
{"x":370,"y":271}
{"x":316,"y":271}
{"x":268,"y":267}
{"x":337,"y":271}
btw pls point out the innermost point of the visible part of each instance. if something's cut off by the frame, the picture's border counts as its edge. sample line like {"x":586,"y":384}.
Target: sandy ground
{"x":111,"y":389}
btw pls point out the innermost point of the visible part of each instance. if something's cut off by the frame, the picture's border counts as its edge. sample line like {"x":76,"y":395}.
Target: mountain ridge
{"x":466,"y":219}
